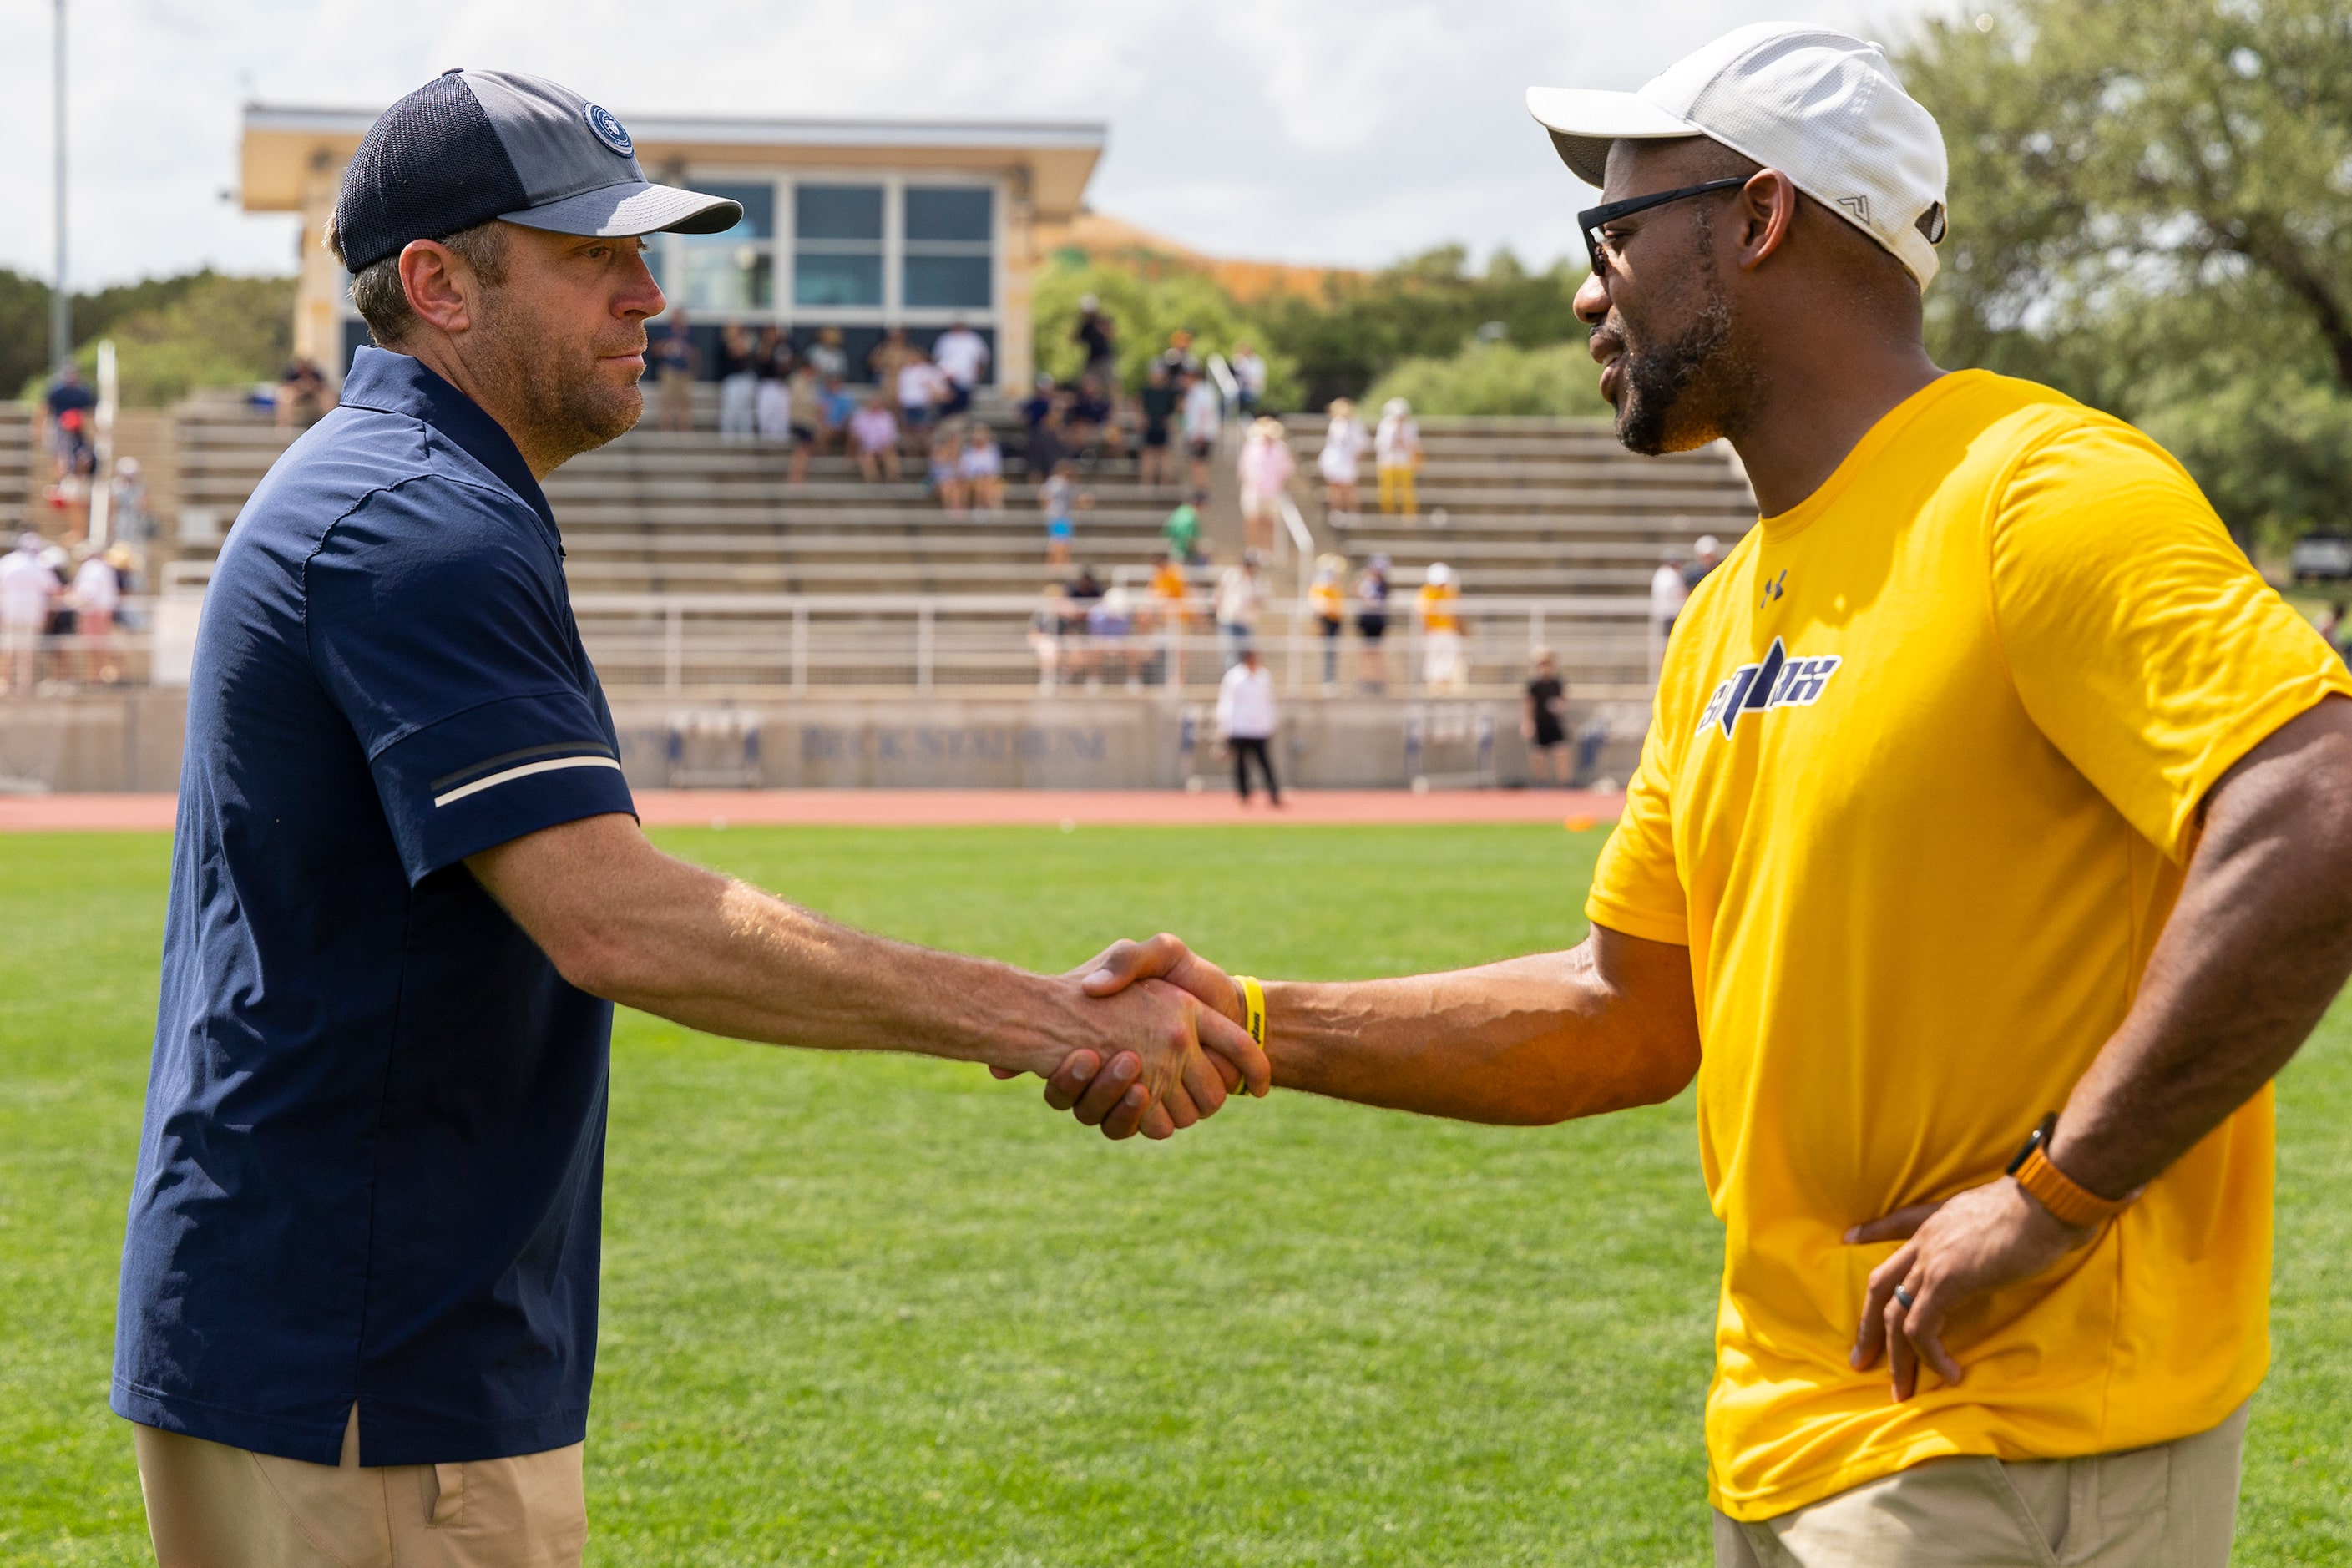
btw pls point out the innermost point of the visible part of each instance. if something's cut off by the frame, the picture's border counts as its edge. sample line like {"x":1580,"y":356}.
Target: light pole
{"x":60,"y":301}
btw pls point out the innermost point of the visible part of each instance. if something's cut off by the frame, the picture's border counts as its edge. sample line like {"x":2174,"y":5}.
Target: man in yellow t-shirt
{"x":1444,"y":668}
{"x":1987,"y":781}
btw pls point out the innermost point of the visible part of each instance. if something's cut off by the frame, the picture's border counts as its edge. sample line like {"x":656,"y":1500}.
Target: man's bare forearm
{"x":1528,"y":1041}
{"x":2258,"y":945}
{"x":623,"y":920}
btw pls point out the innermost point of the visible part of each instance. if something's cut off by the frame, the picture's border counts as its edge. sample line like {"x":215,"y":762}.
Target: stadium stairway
{"x":1535,"y":507}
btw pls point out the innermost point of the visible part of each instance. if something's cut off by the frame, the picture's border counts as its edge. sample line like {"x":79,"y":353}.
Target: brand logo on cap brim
{"x":609,"y":129}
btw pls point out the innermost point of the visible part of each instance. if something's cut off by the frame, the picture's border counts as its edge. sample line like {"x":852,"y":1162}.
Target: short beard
{"x":1688,"y":392}
{"x":547,"y":384}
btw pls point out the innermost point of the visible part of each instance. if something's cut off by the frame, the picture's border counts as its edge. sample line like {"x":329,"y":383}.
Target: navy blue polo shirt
{"x":375,"y":1140}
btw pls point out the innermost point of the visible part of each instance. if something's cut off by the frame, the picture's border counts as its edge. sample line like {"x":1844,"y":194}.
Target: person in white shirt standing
{"x":1246,"y":723}
{"x":97,"y":594}
{"x":1240,"y":591}
{"x":27,"y":587}
{"x":1249,"y":374}
{"x":962,"y":357}
{"x":1204,"y":416}
{"x":1344,"y":441}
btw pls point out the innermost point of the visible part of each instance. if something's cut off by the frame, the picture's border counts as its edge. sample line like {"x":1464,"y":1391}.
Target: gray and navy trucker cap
{"x":470,"y":146}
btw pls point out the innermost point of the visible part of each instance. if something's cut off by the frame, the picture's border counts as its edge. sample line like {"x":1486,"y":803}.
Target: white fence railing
{"x":754,"y":644}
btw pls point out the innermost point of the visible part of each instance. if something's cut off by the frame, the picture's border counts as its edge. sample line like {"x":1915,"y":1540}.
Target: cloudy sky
{"x":1351,"y":131}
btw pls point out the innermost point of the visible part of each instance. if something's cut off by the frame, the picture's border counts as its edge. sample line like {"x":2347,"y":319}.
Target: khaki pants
{"x":2172,"y":1506}
{"x":213,"y":1506}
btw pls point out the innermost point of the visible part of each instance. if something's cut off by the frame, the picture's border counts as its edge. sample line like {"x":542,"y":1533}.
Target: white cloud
{"x":1341,"y":131}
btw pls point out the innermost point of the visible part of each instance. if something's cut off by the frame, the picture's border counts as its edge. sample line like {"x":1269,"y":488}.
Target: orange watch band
{"x":2064,"y":1196}
{"x":2069,"y":1200}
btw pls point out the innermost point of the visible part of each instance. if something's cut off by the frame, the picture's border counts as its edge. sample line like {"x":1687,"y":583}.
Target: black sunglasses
{"x":1593,"y":220}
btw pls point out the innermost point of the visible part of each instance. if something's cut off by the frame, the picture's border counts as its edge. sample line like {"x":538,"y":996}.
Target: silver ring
{"x":1904,"y":1297}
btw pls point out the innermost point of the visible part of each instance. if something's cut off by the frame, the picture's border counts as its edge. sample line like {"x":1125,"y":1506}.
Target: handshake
{"x":1173,"y":1043}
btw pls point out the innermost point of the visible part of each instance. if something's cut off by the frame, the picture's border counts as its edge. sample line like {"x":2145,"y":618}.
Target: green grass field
{"x":892,"y":1311}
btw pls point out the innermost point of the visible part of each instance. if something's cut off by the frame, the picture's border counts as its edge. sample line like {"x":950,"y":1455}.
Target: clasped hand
{"x":1176,"y":1047}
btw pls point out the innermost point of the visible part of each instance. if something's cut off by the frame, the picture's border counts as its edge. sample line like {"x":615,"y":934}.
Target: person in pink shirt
{"x":873,"y":439}
{"x":1266,"y":466}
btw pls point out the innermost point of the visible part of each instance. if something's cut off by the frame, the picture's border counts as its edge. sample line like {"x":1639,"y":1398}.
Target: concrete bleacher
{"x":1537,"y":507}
{"x":20,"y":484}
{"x":673,"y":512}
{"x":1518,"y":506}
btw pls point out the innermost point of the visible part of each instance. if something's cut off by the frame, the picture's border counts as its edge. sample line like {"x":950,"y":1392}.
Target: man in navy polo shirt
{"x":359,"y":1288}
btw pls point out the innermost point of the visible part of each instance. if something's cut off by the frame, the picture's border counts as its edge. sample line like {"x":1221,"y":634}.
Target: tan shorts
{"x":213,"y":1506}
{"x":2172,"y":1506}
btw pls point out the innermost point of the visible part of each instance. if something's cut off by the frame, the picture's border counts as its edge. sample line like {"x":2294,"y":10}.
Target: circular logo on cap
{"x":609,"y":129}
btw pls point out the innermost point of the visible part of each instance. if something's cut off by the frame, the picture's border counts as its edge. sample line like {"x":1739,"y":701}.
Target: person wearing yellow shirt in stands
{"x":1167,"y":612}
{"x":1327,"y":595}
{"x":1990,"y":852}
{"x":1444,"y":667}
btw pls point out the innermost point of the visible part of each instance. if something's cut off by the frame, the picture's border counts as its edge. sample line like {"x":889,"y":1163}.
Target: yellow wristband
{"x":1253,"y":1007}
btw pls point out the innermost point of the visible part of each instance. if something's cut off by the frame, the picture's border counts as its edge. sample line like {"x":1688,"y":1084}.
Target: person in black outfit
{"x":1541,"y":725}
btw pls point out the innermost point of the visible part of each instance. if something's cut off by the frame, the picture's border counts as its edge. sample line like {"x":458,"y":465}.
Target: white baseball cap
{"x":1822,"y":107}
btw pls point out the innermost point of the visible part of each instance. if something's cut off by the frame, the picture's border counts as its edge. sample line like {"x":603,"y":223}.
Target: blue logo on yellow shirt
{"x":1778,"y":681}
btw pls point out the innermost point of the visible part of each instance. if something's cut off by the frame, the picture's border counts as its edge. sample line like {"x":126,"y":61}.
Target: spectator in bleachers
{"x":66,"y":395}
{"x":1543,"y":719}
{"x":1204,"y":416}
{"x":812,"y":425}
{"x":1445,"y":663}
{"x":832,"y":360}
{"x":1045,"y":628}
{"x":1094,"y":418}
{"x":1342,"y":456}
{"x":27,"y":587}
{"x":1171,"y":613}
{"x":1161,"y":394}
{"x":1668,"y":591}
{"x":1096,"y":336}
{"x":739,"y":383}
{"x":1246,"y":721}
{"x":888,"y":357}
{"x":1266,"y":465}
{"x":874,"y":440}
{"x":1183,"y":529}
{"x":97,"y":595}
{"x":78,"y":465}
{"x":1241,"y":594}
{"x":302,"y":394}
{"x":1178,"y":356}
{"x":1327,"y":595}
{"x":921,"y":390}
{"x":772,"y":407}
{"x":1049,"y":435}
{"x":675,"y":361}
{"x":1249,"y":374}
{"x":1372,"y":623}
{"x":944,"y":472}
{"x":982,"y":470}
{"x":1396,"y":456}
{"x":127,"y":515}
{"x":1706,"y":554}
{"x":1058,"y":497}
{"x":962,"y":357}
{"x":1110,"y":634}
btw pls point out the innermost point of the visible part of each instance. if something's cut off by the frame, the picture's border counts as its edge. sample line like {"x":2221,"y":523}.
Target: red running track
{"x":945,"y":808}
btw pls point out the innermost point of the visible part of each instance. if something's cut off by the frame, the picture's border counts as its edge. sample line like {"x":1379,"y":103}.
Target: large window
{"x":950,"y":259}
{"x":735,"y":270}
{"x":836,"y":249}
{"x":837,"y":245}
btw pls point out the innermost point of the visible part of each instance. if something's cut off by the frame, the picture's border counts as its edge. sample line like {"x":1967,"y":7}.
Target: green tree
{"x":1427,"y":306}
{"x":2151,"y":209}
{"x":1497,"y":378}
{"x":1146,"y":309}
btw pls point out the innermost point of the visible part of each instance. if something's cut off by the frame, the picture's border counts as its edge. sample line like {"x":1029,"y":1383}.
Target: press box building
{"x":860,"y":224}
